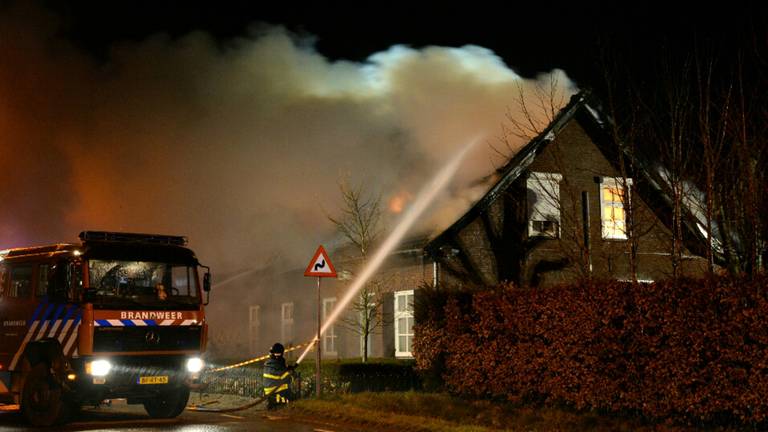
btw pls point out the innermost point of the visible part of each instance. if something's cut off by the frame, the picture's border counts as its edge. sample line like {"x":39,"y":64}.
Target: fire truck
{"x":119,"y":315}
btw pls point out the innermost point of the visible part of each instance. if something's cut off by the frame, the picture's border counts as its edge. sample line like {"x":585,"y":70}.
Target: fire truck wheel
{"x":42,"y":398}
{"x":168,"y":404}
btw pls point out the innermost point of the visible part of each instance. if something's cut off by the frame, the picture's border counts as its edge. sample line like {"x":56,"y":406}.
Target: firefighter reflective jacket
{"x":277,"y":379}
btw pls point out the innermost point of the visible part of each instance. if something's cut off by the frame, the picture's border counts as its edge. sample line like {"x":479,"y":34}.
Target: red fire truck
{"x":119,"y":315}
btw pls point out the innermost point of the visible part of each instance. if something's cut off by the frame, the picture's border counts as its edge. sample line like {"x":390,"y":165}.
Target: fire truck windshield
{"x":142,"y":282}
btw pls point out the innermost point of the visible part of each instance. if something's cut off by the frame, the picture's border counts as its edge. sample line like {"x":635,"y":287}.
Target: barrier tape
{"x":255,"y":360}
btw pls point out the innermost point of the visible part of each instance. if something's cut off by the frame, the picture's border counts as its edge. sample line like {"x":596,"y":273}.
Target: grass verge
{"x":349,"y":409}
{"x":433,"y":412}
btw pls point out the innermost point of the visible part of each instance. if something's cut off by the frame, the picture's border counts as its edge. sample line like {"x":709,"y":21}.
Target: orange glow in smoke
{"x":398,"y":202}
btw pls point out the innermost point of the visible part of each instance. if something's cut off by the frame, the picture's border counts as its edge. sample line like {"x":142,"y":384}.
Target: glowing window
{"x":612,"y":214}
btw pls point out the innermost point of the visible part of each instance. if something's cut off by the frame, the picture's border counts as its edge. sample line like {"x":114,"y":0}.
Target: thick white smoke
{"x":239,"y":147}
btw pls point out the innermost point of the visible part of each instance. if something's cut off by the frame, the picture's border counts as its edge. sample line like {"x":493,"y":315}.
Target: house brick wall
{"x":229,"y":310}
{"x":573,"y":154}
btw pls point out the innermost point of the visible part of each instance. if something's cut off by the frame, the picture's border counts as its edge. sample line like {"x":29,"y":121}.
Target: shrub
{"x":380,"y":376}
{"x":695,"y":350}
{"x":350,"y":375}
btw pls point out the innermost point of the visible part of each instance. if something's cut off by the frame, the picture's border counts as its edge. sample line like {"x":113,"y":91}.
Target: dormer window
{"x":544,"y":204}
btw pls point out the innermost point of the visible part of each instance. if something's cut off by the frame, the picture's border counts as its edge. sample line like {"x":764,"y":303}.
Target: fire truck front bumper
{"x":134,"y":378}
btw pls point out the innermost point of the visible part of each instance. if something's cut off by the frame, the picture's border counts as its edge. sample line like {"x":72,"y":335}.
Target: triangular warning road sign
{"x":320,"y":266}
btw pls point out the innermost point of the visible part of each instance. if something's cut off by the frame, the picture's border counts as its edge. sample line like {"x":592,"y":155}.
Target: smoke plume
{"x":239,"y":145}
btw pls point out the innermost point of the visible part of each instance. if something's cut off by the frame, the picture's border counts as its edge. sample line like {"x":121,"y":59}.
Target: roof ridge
{"x":517,"y":164}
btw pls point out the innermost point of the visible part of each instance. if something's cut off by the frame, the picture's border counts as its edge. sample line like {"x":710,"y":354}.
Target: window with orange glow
{"x":612,"y":214}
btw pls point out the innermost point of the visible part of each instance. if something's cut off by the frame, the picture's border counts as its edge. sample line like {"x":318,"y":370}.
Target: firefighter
{"x":277,"y":378}
{"x":161,"y":293}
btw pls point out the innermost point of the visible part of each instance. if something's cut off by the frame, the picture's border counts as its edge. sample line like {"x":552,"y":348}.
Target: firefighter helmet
{"x":277,"y":349}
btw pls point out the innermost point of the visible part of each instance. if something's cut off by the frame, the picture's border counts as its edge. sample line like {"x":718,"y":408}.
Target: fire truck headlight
{"x":195,"y":365}
{"x":99,"y":367}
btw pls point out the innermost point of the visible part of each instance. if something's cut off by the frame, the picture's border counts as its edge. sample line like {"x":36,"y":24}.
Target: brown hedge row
{"x":695,"y":350}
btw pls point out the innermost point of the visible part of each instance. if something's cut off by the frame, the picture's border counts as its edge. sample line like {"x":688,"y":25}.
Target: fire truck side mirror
{"x":207,"y":282}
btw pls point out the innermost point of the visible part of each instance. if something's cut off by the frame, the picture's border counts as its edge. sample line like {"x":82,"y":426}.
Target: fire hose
{"x":238,"y":365}
{"x":227,"y":410}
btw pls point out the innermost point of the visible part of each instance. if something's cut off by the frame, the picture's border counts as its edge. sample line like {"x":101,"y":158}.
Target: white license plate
{"x":161,"y":379}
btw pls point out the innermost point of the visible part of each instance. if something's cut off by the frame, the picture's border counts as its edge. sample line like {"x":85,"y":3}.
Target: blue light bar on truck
{"x":119,"y":237}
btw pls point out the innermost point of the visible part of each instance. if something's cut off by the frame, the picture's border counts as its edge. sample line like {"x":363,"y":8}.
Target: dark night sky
{"x":530,"y":38}
{"x":161,"y":110}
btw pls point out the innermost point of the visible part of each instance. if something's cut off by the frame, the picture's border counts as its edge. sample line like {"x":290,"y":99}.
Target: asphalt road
{"x":121,"y":417}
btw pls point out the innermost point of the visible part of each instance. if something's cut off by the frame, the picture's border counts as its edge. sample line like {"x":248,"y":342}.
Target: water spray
{"x":236,"y":277}
{"x":420,"y":204}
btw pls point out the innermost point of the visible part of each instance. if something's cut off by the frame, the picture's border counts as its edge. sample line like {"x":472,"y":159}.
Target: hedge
{"x":337,"y":376}
{"x":353,"y":376}
{"x":691,"y":350}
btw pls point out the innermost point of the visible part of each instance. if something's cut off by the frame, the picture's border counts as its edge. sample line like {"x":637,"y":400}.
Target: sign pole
{"x":317,"y":348}
{"x":319,"y":267}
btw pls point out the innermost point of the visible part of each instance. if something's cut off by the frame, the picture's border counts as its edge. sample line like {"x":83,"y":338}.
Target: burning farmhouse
{"x":563,"y":207}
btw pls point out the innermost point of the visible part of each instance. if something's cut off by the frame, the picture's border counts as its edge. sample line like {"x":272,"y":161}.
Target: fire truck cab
{"x":119,"y":315}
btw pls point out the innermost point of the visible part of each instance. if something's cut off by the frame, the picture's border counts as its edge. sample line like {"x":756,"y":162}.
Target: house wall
{"x":574,"y":155}
{"x":228,"y":316}
{"x":492,"y":247}
{"x":228,"y":313}
{"x":498,"y":236}
{"x":401,"y":272}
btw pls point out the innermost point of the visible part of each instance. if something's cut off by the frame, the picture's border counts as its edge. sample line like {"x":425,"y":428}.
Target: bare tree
{"x":708,"y":132}
{"x":670,"y":118}
{"x":359,"y":223}
{"x":532,"y":113}
{"x":359,"y":219}
{"x":713,"y":114}
{"x":623,"y":105}
{"x":731,"y":125}
{"x":365,"y":315}
{"x":742,"y":195}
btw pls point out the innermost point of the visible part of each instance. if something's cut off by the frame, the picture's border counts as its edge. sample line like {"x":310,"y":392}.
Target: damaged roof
{"x":583,"y":108}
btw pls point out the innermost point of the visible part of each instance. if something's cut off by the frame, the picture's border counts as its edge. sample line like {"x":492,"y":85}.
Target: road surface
{"x":122,"y":417}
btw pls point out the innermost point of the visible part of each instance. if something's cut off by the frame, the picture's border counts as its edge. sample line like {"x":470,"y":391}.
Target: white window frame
{"x":400,"y":351}
{"x":613,"y":229}
{"x":330,"y":337}
{"x":286,"y":322}
{"x":642,"y":281}
{"x":546,"y":208}
{"x":254,"y":325}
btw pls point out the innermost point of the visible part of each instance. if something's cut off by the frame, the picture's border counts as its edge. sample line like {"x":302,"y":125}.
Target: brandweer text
{"x":152,"y":315}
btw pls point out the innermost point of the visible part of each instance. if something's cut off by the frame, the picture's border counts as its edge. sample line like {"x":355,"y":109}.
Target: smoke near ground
{"x":237,"y":144}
